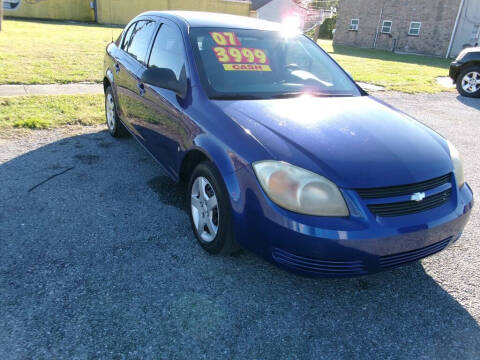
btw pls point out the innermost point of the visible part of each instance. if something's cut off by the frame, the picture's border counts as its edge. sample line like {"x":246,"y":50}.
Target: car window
{"x":265,"y":64}
{"x":140,"y":40}
{"x":168,"y":50}
{"x":128,"y":37}
{"x":298,"y":55}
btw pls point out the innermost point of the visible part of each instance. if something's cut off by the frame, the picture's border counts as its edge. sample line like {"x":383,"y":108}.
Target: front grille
{"x":318,"y":266}
{"x":402,"y":258}
{"x":401,"y":190}
{"x":410,"y":207}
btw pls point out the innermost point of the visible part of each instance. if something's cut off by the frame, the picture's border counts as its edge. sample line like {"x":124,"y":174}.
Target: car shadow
{"x":472,"y":102}
{"x":98,"y":260}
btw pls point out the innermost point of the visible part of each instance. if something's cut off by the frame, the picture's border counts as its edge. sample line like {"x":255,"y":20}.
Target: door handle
{"x":117,"y":68}
{"x":141,"y":89}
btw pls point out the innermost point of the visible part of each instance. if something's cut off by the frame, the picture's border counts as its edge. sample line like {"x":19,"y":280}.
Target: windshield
{"x":250,"y":64}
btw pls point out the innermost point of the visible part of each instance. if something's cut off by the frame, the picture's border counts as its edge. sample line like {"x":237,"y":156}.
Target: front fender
{"x":226,"y":161}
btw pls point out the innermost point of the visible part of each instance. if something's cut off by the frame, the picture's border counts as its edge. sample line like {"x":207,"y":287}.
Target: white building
{"x":467,"y":31}
{"x":277,"y":10}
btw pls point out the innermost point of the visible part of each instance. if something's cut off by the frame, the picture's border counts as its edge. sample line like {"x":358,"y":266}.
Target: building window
{"x":11,"y":4}
{"x":414,"y":28}
{"x":386,"y":27}
{"x":354,"y":25}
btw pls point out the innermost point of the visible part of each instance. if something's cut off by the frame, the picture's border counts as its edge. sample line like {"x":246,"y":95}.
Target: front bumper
{"x":339,"y":247}
{"x":455,"y":68}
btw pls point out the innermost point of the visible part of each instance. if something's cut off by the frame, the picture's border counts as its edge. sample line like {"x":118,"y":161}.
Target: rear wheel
{"x":468,"y":82}
{"x":115,"y":126}
{"x":209,"y":210}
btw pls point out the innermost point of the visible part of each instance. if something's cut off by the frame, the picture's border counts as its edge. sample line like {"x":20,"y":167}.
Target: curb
{"x":52,"y":89}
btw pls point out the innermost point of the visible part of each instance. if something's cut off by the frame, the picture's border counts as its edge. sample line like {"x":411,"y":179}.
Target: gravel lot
{"x":100,"y":262}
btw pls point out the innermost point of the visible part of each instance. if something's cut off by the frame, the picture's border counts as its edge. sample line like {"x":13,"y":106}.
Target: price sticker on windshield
{"x":225,"y":38}
{"x":232,"y":57}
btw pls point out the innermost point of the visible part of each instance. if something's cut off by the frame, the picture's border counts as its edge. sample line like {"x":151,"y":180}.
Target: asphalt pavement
{"x":97,"y":261}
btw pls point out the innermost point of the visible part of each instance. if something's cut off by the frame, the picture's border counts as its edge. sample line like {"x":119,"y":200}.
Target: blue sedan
{"x":282,"y":152}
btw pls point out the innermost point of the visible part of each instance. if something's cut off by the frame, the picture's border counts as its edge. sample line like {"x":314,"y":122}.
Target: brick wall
{"x":437,"y":18}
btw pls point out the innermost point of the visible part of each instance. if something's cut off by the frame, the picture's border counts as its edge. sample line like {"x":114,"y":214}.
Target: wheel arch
{"x":225,"y":160}
{"x":190,"y":161}
{"x":106,"y":84}
{"x":468,"y":64}
{"x":108,"y":80}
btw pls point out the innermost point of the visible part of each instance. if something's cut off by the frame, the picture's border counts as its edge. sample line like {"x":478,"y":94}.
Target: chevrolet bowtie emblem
{"x":419,"y":196}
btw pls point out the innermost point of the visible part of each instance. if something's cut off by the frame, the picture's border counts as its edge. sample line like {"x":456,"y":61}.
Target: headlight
{"x":457,"y":164}
{"x":300,"y":190}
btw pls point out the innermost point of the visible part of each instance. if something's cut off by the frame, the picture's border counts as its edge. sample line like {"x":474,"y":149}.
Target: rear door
{"x":132,"y":56}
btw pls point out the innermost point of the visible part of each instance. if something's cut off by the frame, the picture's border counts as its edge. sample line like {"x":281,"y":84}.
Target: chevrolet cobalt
{"x":283,"y":153}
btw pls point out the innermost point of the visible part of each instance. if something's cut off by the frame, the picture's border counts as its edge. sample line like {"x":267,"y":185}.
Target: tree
{"x":320,"y":4}
{"x":326,"y":29}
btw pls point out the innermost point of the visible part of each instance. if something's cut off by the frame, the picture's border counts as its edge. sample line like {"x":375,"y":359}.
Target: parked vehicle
{"x":465,"y":72}
{"x":283,"y":153}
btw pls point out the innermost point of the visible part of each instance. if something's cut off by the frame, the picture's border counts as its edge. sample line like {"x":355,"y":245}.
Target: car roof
{"x":473,"y":49}
{"x":208,"y":19}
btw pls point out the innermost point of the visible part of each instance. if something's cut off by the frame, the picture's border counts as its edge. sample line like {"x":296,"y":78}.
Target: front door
{"x":160,"y":115}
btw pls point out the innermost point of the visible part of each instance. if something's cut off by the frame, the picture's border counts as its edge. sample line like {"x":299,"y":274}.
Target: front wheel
{"x":468,"y":82}
{"x":210,"y":211}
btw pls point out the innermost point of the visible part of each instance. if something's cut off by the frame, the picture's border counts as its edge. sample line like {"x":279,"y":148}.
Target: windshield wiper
{"x":297,"y":94}
{"x":275,"y":96}
{"x":287,"y":95}
{"x":235,"y":97}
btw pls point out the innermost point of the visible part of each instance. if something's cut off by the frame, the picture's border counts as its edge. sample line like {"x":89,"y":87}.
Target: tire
{"x":219,"y":217}
{"x":469,"y":74}
{"x":114,"y":125}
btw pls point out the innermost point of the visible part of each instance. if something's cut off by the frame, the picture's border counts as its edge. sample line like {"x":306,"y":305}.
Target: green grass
{"x":405,"y":73}
{"x":43,"y":112}
{"x":34,"y":52}
{"x":41,"y":52}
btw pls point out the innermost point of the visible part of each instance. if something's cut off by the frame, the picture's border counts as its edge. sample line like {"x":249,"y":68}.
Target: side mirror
{"x":166,"y":79}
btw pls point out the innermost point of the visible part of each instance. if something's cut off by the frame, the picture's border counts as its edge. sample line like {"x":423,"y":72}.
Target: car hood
{"x":357,"y":142}
{"x":468,"y":54}
{"x":469,"y":50}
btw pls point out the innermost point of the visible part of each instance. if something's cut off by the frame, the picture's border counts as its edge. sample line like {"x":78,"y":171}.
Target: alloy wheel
{"x":110,"y":112}
{"x":471,"y":82}
{"x":204,"y":207}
